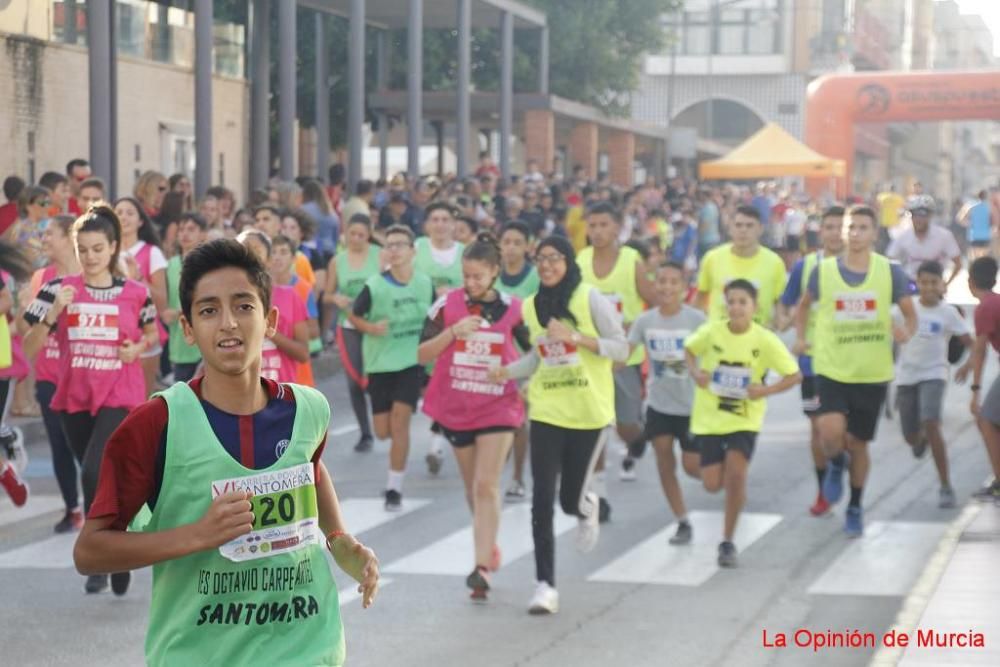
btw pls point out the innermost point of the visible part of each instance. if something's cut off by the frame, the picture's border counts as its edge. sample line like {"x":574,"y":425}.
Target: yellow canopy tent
{"x":769,"y":153}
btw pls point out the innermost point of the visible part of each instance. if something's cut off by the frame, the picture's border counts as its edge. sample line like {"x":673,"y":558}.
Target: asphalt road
{"x":633,"y":600}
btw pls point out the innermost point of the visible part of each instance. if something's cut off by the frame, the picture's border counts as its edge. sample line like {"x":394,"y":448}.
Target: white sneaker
{"x":544,"y":601}
{"x":627,"y":472}
{"x":588,"y":529}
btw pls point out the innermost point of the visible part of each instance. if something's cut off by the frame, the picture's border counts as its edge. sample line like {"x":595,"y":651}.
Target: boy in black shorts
{"x":669,"y":388}
{"x":390,"y":312}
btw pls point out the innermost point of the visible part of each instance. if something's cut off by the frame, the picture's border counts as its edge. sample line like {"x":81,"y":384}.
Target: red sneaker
{"x":12,"y":483}
{"x":820,"y":507}
{"x":495,"y":559}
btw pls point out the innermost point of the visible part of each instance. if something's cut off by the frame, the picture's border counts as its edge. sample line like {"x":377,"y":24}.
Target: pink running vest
{"x":460,"y":396}
{"x":275,"y":364}
{"x":47,"y":360}
{"x":90,"y":333}
{"x":144,"y":258}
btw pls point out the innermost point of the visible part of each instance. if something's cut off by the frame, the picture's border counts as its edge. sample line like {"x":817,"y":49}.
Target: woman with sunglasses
{"x":576,"y":336}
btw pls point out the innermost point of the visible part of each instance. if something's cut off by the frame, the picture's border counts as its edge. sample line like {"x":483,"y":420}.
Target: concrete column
{"x":99,"y":66}
{"x":621,"y":157}
{"x":322,"y":84}
{"x":356,"y":93}
{"x":583,"y":149}
{"x":414,"y":88}
{"x":540,"y":137}
{"x":260,"y":94}
{"x":543,"y":61}
{"x":463,"y":85}
{"x":506,"y":90}
{"x":286,"y":89}
{"x":113,"y":96}
{"x":202,"y":96}
{"x":381,"y":83}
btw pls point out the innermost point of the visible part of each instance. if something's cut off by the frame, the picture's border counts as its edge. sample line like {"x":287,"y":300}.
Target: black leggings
{"x":63,"y":463}
{"x":359,"y":401}
{"x":87,"y":434}
{"x":557,"y":451}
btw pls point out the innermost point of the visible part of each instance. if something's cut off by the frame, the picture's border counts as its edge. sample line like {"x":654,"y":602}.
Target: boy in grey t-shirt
{"x":669,"y":387}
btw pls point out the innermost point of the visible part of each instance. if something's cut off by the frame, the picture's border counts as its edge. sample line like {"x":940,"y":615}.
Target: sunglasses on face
{"x":43,"y":202}
{"x":397,"y":245}
{"x":162,"y":188}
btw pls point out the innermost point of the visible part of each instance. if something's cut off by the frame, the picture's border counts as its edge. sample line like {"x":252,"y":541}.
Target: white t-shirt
{"x":925,"y":356}
{"x":444,"y":257}
{"x":157,"y":261}
{"x":938,"y":244}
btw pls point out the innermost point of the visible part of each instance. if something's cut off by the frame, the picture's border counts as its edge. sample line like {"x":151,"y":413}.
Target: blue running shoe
{"x":833,"y":482}
{"x":853,"y":525}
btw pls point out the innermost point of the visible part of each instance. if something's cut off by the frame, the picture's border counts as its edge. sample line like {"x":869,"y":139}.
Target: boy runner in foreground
{"x":236,"y":536}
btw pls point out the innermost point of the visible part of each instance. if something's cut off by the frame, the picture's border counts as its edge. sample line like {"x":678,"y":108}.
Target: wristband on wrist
{"x":975,"y":387}
{"x":332,"y":537}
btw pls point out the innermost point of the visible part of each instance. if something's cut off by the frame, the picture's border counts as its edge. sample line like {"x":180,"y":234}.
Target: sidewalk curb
{"x":916,"y":602}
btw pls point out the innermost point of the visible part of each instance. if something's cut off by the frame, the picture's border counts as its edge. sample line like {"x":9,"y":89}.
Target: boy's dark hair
{"x":606,"y":208}
{"x":983,"y":273}
{"x":51,"y":179}
{"x":94,"y":182}
{"x":671,"y":264}
{"x":741,"y":284}
{"x":400,"y":230}
{"x":865,"y":211}
{"x":281,"y":239}
{"x":750,"y":212}
{"x":195,"y":218}
{"x":221,"y":254}
{"x":102,"y":218}
{"x":439,"y":206}
{"x":932,"y":267}
{"x":269,"y":206}
{"x":12,"y":187}
{"x":516,"y":226}
{"x":360,"y":219}
{"x":833,"y":212}
{"x":74,"y":163}
{"x":484,"y":249}
{"x":363,"y":187}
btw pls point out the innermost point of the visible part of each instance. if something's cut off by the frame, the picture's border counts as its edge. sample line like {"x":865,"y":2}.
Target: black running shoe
{"x":364,"y":444}
{"x":393,"y":501}
{"x":683,"y":534}
{"x":604,"y":511}
{"x":96,"y":583}
{"x":120,"y":582}
{"x":479,"y":582}
{"x":727,"y":555}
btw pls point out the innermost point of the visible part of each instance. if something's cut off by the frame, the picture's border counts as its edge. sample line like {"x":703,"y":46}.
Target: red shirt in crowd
{"x":8,"y":216}
{"x":987,"y":319}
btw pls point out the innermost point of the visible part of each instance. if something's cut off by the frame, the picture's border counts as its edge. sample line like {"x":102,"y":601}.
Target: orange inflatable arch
{"x":836,"y":102}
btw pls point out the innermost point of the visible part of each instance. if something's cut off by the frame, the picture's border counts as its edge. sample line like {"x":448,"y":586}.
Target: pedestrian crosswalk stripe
{"x":654,"y":561}
{"x":36,"y":506}
{"x":886,"y":561}
{"x":54,"y":552}
{"x":362,"y":514}
{"x":453,"y":555}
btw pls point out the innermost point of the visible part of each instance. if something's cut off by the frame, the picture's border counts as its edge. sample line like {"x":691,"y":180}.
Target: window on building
{"x":161,"y":31}
{"x":728,"y":27}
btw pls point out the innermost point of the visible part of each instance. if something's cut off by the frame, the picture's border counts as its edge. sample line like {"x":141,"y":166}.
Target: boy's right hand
{"x":229,"y":516}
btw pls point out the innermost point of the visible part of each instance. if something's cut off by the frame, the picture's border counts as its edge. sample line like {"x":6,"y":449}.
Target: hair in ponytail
{"x":485,"y":248}
{"x":102,"y":218}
